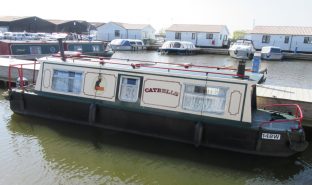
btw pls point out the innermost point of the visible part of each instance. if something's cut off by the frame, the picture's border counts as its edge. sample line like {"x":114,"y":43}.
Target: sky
{"x":236,"y":14}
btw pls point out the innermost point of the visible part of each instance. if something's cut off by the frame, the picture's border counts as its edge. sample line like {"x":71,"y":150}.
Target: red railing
{"x":138,"y":65}
{"x":297,"y":114}
{"x":19,"y":68}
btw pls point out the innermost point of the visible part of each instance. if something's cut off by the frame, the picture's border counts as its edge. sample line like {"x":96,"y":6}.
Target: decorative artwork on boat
{"x":100,"y":83}
{"x":96,"y":84}
{"x":161,"y":93}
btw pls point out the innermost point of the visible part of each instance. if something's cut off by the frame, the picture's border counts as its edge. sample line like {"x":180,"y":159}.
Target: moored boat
{"x":242,"y":49}
{"x":127,"y":45}
{"x":201,"y":105}
{"x":34,"y":49}
{"x":178,"y":47}
{"x":271,"y":53}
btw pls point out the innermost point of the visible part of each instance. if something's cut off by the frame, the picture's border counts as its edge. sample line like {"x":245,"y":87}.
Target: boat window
{"x":176,"y":45}
{"x":129,"y":88}
{"x":210,"y":99}
{"x":95,"y":48}
{"x":266,"y":39}
{"x":78,"y":48}
{"x":67,"y":81}
{"x":275,"y":50}
{"x":139,"y":43}
{"x":34,"y":50}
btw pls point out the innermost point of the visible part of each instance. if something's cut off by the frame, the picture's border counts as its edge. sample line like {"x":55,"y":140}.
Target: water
{"x":37,"y":151}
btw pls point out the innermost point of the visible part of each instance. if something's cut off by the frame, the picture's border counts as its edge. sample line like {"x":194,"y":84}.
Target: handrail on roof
{"x":138,"y":65}
{"x":20,"y":73}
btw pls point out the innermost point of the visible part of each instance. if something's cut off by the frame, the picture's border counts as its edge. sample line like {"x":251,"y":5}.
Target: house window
{"x":193,"y":36}
{"x":34,"y":50}
{"x":286,"y":40}
{"x":178,"y":35}
{"x":129,"y":88}
{"x":209,"y":99}
{"x":209,"y":36}
{"x":66,"y":81}
{"x":117,"y":33}
{"x":266,"y":39}
{"x":307,"y":40}
{"x":78,"y":48}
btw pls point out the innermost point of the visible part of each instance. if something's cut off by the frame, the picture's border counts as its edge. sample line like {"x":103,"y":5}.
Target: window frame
{"x":177,"y":35}
{"x":209,"y":35}
{"x":286,"y":39}
{"x":193,"y":36}
{"x":68,"y":77}
{"x":266,"y":38}
{"x":202,"y":93}
{"x":117,"y":33}
{"x":120,"y":98}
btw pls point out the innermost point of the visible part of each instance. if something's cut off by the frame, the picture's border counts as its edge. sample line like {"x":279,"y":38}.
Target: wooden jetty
{"x":268,"y":94}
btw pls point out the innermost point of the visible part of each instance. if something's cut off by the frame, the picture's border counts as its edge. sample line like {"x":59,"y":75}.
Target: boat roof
{"x":48,"y":42}
{"x":186,"y":70}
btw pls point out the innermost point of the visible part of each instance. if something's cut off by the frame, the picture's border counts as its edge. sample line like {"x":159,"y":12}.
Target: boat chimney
{"x":61,"y":46}
{"x":241,"y":69}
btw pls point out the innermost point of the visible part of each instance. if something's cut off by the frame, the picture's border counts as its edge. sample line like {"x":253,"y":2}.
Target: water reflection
{"x":77,"y":153}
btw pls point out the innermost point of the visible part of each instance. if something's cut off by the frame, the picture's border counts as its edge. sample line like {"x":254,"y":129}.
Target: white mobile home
{"x":288,"y":38}
{"x":200,"y":35}
{"x":114,"y":30}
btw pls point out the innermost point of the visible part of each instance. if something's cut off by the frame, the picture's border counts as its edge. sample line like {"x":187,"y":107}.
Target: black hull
{"x":203,"y":133}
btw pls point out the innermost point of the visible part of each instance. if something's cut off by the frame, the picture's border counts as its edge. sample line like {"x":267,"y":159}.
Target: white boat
{"x":271,"y":53}
{"x":242,"y":49}
{"x":178,"y":47}
{"x":127,"y":44}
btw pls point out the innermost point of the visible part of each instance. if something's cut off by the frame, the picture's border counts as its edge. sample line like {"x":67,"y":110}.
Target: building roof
{"x":12,"y":18}
{"x":281,"y":30}
{"x":196,"y":28}
{"x":97,"y":24}
{"x":131,"y":26}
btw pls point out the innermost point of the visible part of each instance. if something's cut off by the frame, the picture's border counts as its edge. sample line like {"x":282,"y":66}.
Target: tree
{"x":239,"y":34}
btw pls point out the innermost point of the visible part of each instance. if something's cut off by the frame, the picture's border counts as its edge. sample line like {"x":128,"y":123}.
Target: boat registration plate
{"x":271,"y":136}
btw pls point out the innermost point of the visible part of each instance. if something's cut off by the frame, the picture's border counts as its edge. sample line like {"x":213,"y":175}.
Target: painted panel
{"x":161,"y":93}
{"x":235,"y":102}
{"x":47,"y":77}
{"x":99,"y":85}
{"x":25,"y":49}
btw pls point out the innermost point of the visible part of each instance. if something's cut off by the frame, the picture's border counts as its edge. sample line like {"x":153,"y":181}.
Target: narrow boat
{"x":242,"y":49}
{"x":178,"y":47}
{"x":271,"y":53}
{"x":200,"y":105}
{"x":127,"y":45}
{"x":31,"y":50}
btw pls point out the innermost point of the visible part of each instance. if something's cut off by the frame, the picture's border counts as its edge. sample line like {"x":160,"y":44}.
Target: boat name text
{"x":159,"y":90}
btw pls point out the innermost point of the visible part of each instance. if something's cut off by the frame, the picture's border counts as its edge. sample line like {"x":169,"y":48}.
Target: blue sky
{"x":236,"y":14}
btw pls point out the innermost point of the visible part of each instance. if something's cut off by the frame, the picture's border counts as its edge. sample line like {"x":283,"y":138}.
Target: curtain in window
{"x":64,"y":81}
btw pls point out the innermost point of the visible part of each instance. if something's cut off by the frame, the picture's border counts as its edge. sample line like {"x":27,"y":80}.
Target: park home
{"x":200,"y":35}
{"x":288,"y":38}
{"x":114,"y":30}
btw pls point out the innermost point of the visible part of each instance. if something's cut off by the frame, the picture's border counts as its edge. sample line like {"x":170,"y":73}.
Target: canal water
{"x":37,"y":151}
